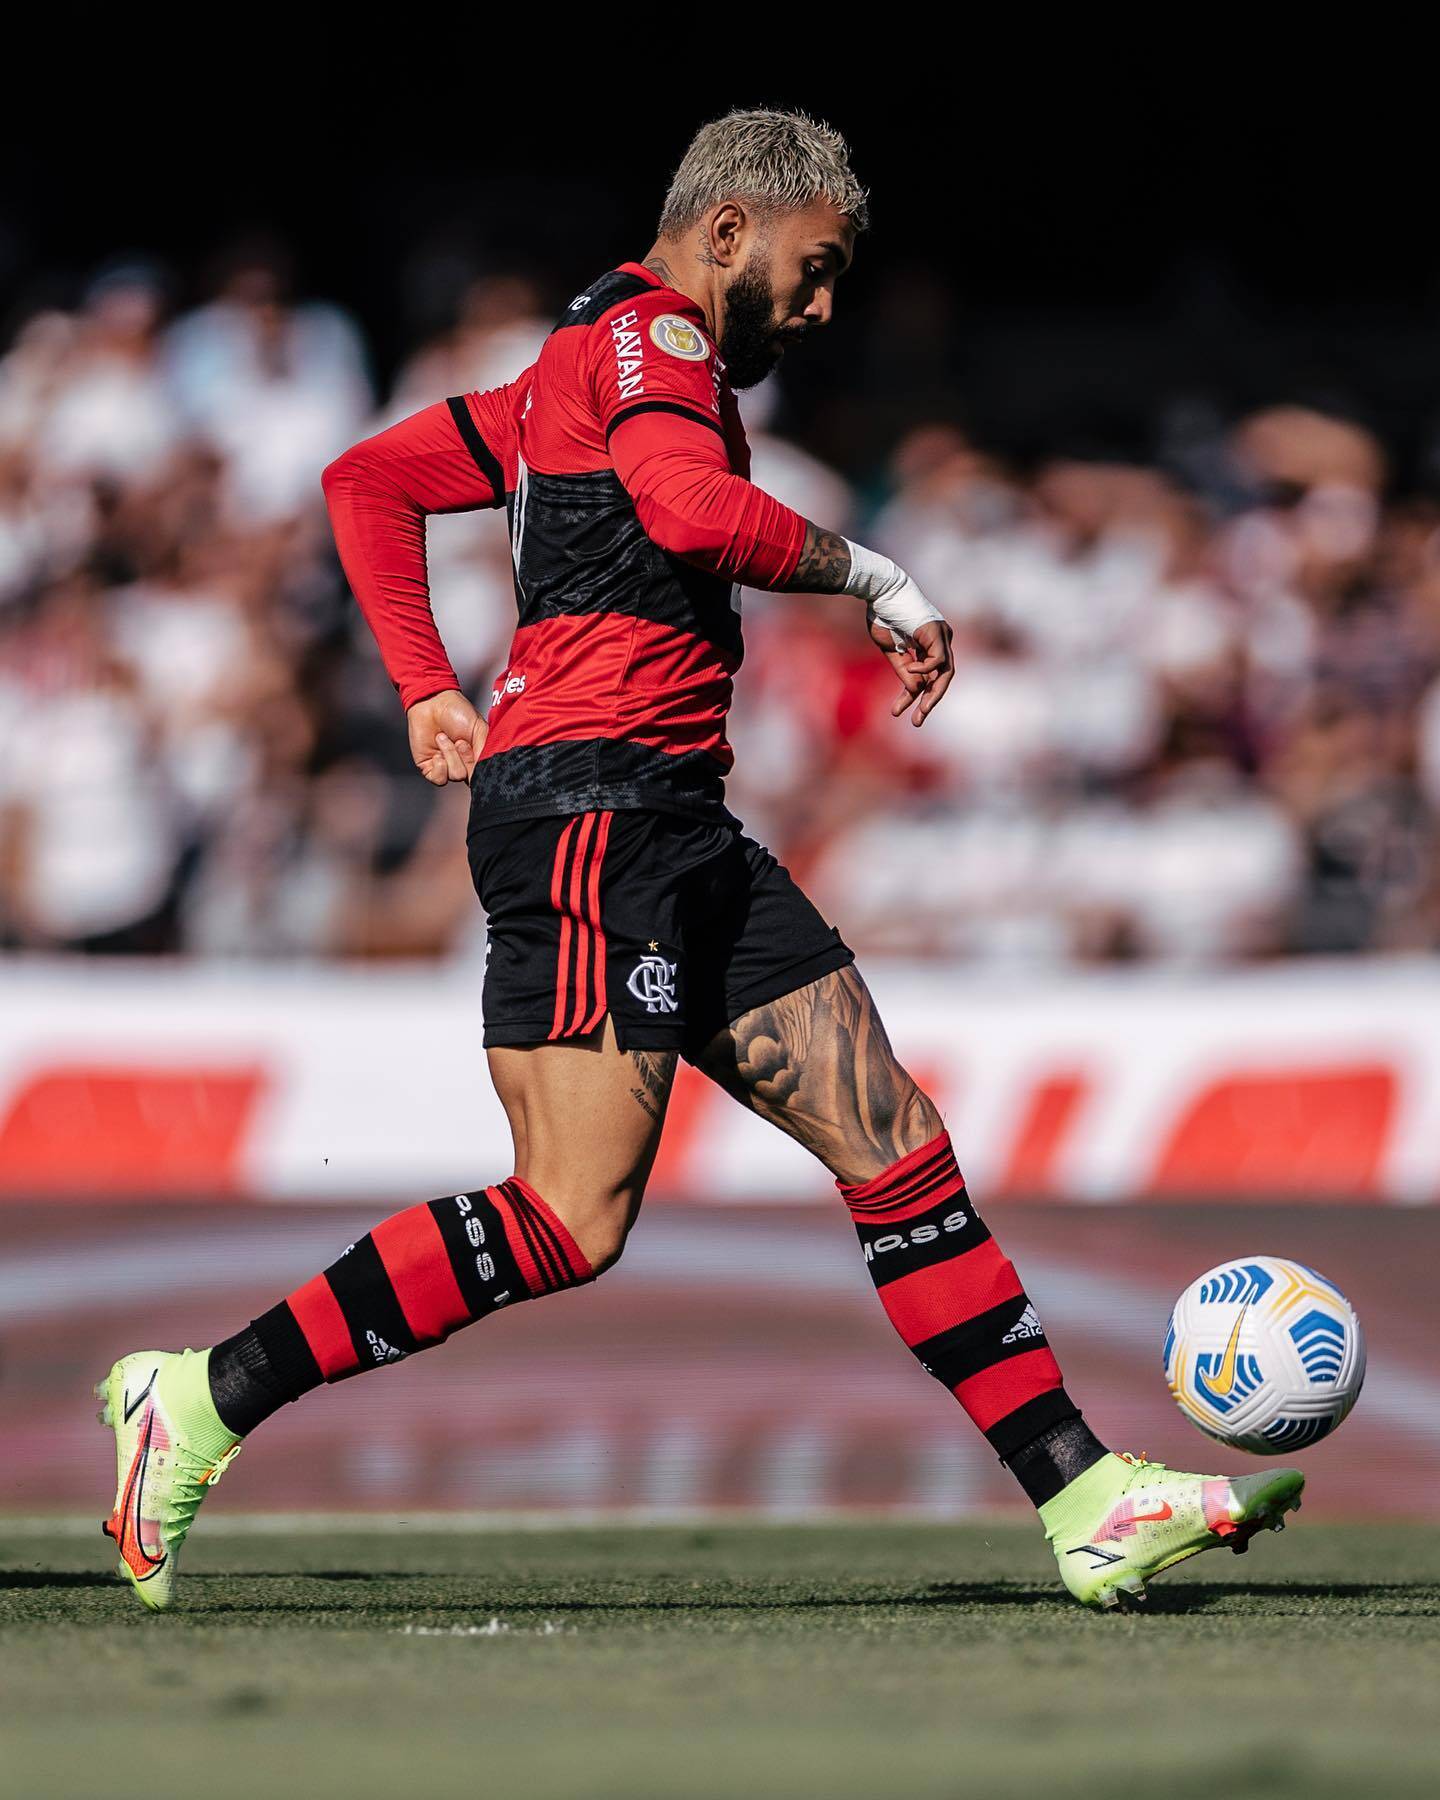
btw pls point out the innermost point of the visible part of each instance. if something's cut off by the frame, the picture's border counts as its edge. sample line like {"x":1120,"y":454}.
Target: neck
{"x":680,"y":268}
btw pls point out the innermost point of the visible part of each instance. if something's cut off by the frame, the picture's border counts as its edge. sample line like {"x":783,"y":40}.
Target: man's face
{"x":782,"y":287}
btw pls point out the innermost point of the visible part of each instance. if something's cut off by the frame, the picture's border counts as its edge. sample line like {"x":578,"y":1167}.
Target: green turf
{"x":828,"y":1660}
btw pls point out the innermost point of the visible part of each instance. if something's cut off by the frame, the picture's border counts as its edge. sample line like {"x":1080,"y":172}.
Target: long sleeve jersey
{"x":622,"y":464}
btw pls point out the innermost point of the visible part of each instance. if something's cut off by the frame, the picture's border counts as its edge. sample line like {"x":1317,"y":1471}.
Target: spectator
{"x":1187,"y":726}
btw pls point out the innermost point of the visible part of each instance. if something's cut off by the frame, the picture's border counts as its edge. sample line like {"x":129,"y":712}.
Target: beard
{"x":751,"y":342}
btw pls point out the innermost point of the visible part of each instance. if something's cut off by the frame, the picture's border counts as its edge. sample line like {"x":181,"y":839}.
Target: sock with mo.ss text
{"x":404,"y":1286}
{"x":954,"y":1297}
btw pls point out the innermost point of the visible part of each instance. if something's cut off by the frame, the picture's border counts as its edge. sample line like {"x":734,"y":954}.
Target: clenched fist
{"x":446,"y":737}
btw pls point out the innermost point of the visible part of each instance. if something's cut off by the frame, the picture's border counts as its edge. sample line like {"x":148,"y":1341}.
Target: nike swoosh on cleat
{"x":1103,"y":1556}
{"x":131,"y":1406}
{"x":1165,"y":1512}
{"x":129,"y":1508}
{"x":1224,"y":1378}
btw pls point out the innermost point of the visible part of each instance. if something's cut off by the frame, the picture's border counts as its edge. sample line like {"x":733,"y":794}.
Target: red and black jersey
{"x":622,"y":463}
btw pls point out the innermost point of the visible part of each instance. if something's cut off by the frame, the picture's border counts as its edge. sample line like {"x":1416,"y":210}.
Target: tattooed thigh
{"x":818,"y":1064}
{"x":654,"y":1072}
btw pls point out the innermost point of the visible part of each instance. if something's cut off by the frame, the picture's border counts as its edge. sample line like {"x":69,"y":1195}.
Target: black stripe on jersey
{"x":483,"y":456}
{"x":666,"y":406}
{"x":964,"y":1350}
{"x":455,"y":1224}
{"x":949,"y":1228}
{"x":584,"y":550}
{"x":367,"y":1299}
{"x":600,"y":296}
{"x":536,"y":781}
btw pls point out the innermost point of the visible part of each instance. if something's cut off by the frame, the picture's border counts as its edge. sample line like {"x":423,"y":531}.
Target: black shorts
{"x":672,"y":926}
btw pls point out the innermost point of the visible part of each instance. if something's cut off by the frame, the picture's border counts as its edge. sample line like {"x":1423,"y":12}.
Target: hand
{"x":446,"y":737}
{"x":924,"y":668}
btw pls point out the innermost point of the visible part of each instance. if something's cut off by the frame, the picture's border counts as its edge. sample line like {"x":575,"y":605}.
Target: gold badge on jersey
{"x":678,"y":337}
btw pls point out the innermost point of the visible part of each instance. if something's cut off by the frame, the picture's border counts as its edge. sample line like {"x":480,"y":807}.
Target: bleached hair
{"x":778,"y":161}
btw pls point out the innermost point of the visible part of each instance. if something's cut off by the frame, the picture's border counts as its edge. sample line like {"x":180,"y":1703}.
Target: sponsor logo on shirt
{"x":629,"y":368}
{"x":503,"y":689}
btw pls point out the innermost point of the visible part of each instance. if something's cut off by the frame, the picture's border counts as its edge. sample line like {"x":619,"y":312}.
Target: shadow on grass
{"x":956,"y":1596}
{"x":1419,"y":1598}
{"x":1416,"y":1599}
{"x":55,"y":1578}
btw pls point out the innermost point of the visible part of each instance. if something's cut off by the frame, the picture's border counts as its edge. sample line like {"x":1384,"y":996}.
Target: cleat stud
{"x":1277,"y":1524}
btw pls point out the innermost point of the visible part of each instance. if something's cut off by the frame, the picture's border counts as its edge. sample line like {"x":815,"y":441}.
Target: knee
{"x":903,"y":1114}
{"x":604,"y":1243}
{"x":599,"y":1224}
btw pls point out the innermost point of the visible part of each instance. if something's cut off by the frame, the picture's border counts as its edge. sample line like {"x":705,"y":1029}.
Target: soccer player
{"x":630,"y":920}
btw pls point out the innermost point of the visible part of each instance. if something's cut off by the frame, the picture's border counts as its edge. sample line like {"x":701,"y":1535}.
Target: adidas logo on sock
{"x":1026,"y":1326}
{"x":380,"y":1350}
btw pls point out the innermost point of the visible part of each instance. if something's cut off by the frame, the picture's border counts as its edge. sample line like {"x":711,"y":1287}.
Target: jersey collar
{"x":683,"y":302}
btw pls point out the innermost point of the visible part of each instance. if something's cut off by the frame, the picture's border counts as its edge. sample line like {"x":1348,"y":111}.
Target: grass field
{"x":832,"y":1659}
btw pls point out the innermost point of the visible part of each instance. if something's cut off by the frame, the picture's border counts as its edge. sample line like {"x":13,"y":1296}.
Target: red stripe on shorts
{"x":584,"y":938}
{"x":602,"y":838}
{"x":562,"y":967}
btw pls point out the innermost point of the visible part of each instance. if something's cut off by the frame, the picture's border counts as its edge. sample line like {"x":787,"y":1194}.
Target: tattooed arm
{"x":818,"y":1064}
{"x":823,"y":566}
{"x":915,"y":640}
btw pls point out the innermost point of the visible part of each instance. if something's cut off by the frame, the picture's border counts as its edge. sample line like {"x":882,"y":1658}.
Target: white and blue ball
{"x":1264,"y":1354}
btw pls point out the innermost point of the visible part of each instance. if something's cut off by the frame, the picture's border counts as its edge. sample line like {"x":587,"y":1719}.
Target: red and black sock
{"x":954,"y":1297}
{"x":404,"y":1286}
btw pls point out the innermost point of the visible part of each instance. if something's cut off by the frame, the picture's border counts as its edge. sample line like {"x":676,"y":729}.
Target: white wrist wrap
{"x":889,"y":593}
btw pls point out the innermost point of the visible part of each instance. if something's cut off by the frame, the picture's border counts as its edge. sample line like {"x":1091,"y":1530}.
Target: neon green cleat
{"x":1126,"y":1519}
{"x":170,"y":1447}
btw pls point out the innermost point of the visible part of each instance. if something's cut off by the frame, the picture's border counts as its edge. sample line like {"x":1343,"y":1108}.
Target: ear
{"x":723,"y":233}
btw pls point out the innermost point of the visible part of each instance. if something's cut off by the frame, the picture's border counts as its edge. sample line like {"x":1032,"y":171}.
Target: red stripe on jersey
{"x":928,"y":1301}
{"x":996,"y":1392}
{"x":317,"y":1313}
{"x":605,"y":675}
{"x":418,"y":1264}
{"x":562,"y":967}
{"x":602,"y":838}
{"x":584,"y":937}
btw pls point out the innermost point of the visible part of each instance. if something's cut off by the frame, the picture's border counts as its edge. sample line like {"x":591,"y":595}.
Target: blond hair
{"x":778,"y":161}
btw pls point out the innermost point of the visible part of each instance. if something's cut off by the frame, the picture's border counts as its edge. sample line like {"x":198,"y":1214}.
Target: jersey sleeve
{"x":691,"y":503}
{"x":646,"y":356}
{"x":451,"y":457}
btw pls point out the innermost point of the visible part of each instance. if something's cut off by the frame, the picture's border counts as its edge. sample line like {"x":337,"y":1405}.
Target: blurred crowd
{"x":1196,"y":718}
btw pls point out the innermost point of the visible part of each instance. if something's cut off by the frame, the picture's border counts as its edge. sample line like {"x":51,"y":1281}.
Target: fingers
{"x":452,"y":758}
{"x":911,"y":685}
{"x":933,"y":671}
{"x":932,"y":697}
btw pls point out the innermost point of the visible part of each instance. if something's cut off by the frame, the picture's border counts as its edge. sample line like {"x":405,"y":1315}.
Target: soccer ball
{"x":1264,"y":1354}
